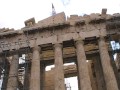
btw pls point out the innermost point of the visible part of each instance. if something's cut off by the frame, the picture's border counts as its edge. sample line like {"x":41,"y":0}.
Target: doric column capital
{"x":101,"y":38}
{"x":36,"y":47}
{"x":79,"y":41}
{"x":16,"y":57}
{"x":58,"y":45}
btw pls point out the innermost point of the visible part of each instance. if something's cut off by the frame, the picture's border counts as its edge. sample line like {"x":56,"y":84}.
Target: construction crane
{"x":53,"y":10}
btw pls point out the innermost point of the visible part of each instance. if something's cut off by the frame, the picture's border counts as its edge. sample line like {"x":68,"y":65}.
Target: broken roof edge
{"x":60,"y":20}
{"x":55,"y":19}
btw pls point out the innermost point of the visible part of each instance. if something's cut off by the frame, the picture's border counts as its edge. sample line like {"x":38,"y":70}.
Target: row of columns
{"x":83,"y":74}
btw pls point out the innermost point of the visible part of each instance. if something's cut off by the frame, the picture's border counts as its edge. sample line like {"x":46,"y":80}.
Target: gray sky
{"x":13,"y":13}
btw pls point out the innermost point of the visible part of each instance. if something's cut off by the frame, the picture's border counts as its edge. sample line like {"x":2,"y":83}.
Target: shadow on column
{"x":6,"y":67}
{"x":97,"y":71}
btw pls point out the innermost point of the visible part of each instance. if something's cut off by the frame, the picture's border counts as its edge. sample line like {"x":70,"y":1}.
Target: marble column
{"x":84,"y":78}
{"x":110,"y":80}
{"x":35,"y":69}
{"x":59,"y":69}
{"x":13,"y":74}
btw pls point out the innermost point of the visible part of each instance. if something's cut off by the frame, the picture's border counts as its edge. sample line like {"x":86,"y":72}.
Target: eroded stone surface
{"x":57,"y":29}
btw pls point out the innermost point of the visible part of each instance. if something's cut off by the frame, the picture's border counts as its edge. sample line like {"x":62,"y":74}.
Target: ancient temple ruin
{"x":57,"y":40}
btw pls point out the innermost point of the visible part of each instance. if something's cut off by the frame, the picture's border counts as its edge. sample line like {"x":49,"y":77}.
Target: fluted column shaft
{"x":13,"y":74}
{"x":84,"y":78}
{"x":110,"y":80}
{"x":35,"y":69}
{"x":59,"y":69}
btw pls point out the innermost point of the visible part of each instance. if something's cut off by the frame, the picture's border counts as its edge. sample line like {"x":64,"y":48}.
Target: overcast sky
{"x":13,"y":13}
